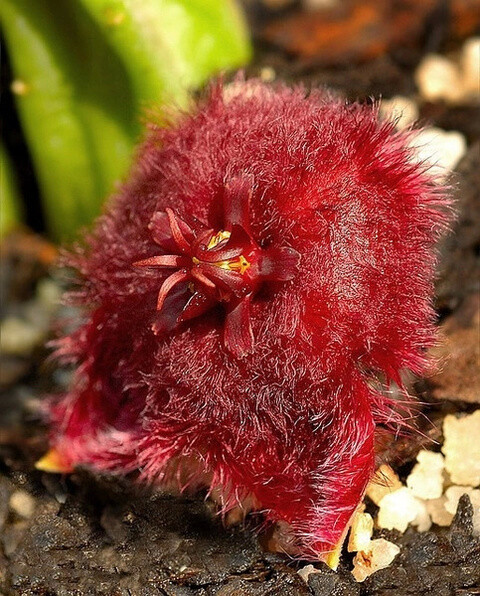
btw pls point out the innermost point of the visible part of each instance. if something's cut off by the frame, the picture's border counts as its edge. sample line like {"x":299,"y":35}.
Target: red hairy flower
{"x":216,"y":267}
{"x":265,"y":270}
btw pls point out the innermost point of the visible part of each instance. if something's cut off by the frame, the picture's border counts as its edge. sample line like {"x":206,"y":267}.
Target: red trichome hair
{"x":264,"y":272}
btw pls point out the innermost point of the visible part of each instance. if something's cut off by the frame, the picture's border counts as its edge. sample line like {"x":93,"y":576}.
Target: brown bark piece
{"x":458,"y":378}
{"x":353,"y":30}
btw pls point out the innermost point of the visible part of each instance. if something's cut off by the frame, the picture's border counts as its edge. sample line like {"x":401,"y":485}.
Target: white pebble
{"x":397,"y":510}
{"x":470,"y":64}
{"x":384,"y":482}
{"x":439,"y":79}
{"x":49,"y":294}
{"x":426,"y":478}
{"x":402,"y":109}
{"x":422,"y":521}
{"x":438,"y":513}
{"x":361,"y":532}
{"x":439,"y":149}
{"x":18,"y":337}
{"x":252,"y":88}
{"x":379,"y":555}
{"x":475,"y":499}
{"x":306,"y":571}
{"x":461,"y":448}
{"x":319,"y":4}
{"x":268,"y":74}
{"x":22,"y":503}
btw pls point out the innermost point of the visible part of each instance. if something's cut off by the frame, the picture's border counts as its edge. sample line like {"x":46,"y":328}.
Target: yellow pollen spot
{"x":219,"y":237}
{"x":19,"y":87}
{"x":240,"y":264}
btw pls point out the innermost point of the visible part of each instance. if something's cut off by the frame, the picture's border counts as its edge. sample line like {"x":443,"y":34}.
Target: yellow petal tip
{"x":332,"y":557}
{"x":54,"y":463}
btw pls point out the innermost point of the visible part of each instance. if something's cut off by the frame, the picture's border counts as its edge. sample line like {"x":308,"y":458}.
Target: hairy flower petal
{"x":288,"y":242}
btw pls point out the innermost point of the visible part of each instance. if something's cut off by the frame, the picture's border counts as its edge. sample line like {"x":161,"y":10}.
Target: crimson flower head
{"x":225,"y":267}
{"x":250,"y":295}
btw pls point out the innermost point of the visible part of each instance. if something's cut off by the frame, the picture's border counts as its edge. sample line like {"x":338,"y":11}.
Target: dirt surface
{"x":97,"y":535}
{"x":88,"y":534}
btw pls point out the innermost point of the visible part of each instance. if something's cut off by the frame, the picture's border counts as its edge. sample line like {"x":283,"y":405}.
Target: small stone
{"x":22,"y":504}
{"x":235,"y":89}
{"x":268,"y":74}
{"x":461,"y":448}
{"x":18,"y":337}
{"x":319,"y":4}
{"x":439,"y":79}
{"x":361,"y":532}
{"x":437,"y":511}
{"x":441,"y":150}
{"x":470,"y":65}
{"x":422,"y":521}
{"x":426,"y":478}
{"x":397,"y":510}
{"x":379,"y":555}
{"x":384,"y":482}
{"x":476,"y":514}
{"x":49,"y":294}
{"x":402,"y":109}
{"x":306,"y":572}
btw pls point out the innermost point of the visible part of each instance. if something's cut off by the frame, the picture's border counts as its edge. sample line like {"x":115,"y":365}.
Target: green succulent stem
{"x":86,"y":70}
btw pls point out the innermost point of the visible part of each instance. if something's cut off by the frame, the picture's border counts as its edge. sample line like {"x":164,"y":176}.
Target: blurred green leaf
{"x":86,"y":69}
{"x":10,"y":209}
{"x":168,"y":46}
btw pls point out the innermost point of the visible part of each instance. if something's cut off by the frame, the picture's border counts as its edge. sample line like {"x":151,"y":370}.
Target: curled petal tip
{"x":54,"y":463}
{"x":332,"y":557}
{"x":171,"y":281}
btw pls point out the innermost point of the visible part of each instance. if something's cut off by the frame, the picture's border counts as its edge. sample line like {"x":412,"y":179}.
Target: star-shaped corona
{"x":224,"y":267}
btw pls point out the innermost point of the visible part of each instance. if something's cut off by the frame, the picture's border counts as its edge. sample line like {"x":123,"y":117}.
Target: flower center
{"x":239,"y":264}
{"x":226,"y":267}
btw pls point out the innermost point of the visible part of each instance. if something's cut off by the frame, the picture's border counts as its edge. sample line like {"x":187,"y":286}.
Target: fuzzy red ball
{"x":268,"y":262}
